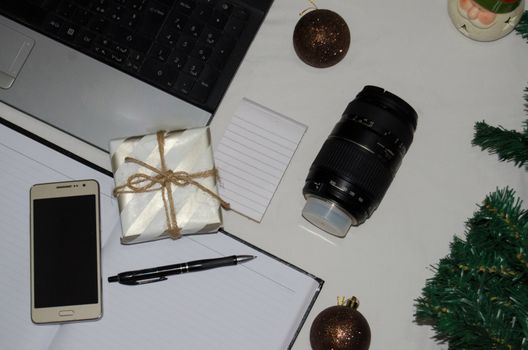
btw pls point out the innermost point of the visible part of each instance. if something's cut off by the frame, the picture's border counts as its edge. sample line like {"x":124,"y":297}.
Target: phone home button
{"x":66,"y":313}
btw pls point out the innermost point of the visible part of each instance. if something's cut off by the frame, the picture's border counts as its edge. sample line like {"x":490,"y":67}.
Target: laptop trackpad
{"x":14,"y":49}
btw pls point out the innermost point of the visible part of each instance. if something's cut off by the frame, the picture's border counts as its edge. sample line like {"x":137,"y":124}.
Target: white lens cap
{"x":327,"y":216}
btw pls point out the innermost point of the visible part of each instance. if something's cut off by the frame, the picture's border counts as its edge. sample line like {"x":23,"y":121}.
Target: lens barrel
{"x":359,"y":160}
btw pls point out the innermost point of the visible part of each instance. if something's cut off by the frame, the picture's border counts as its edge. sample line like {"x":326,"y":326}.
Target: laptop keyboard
{"x":188,"y":48}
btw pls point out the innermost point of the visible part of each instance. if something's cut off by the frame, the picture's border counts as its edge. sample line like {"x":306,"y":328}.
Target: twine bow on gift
{"x":162,"y":180}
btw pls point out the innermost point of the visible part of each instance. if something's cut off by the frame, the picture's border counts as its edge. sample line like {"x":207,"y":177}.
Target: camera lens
{"x":358,"y":161}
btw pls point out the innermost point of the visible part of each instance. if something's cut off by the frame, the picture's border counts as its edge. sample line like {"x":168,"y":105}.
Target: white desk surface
{"x":410,"y":48}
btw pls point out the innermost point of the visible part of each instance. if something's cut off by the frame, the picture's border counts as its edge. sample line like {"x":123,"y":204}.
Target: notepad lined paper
{"x":253,"y":155}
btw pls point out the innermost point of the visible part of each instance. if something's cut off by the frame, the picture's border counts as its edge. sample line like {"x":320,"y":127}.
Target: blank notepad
{"x":253,"y":155}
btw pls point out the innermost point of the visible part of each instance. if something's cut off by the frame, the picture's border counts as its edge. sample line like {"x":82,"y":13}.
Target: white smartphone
{"x":65,"y":252}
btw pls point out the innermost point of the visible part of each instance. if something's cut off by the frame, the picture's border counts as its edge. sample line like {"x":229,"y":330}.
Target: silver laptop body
{"x":80,"y":95}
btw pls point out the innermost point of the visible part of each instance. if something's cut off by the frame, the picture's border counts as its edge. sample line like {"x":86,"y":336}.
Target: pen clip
{"x":152,"y":280}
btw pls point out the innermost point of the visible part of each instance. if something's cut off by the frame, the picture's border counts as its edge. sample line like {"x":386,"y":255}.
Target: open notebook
{"x":258,"y":305}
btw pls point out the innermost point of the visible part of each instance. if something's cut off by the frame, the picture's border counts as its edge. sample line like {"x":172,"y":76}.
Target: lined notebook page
{"x":256,"y":305}
{"x":253,"y":155}
{"x":26,"y":162}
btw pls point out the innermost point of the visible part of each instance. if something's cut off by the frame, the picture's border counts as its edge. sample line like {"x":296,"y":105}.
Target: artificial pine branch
{"x":509,"y":145}
{"x":478,"y":297}
{"x":522,"y":26}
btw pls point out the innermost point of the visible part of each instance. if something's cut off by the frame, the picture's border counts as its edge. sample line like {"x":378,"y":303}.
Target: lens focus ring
{"x":355,"y":165}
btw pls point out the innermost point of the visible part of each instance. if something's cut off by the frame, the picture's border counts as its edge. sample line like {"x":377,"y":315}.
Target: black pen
{"x":160,"y":273}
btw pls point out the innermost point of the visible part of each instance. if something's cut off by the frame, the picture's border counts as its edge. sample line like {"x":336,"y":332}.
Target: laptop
{"x":106,"y":69}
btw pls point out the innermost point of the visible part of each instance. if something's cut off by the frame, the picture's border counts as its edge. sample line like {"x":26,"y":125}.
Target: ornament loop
{"x":313,"y":7}
{"x":353,"y":303}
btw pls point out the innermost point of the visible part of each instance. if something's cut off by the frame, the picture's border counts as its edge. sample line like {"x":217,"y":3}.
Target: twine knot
{"x":162,"y":180}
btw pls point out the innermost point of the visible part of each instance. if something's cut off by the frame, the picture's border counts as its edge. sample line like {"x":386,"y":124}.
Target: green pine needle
{"x":509,"y":145}
{"x":522,"y":26}
{"x":478,"y":297}
{"x":526,"y":103}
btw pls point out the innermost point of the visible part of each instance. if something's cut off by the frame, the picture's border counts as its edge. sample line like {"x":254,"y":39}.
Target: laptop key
{"x":131,"y":66}
{"x":202,"y":52}
{"x":128,"y":38}
{"x":137,"y":5}
{"x":119,"y":48}
{"x":129,"y":20}
{"x":98,"y":24}
{"x":103,"y":41}
{"x":204,"y":84}
{"x":234,"y":26}
{"x":136,"y":57}
{"x":240,"y":13}
{"x":184,"y":6}
{"x":117,"y":58}
{"x":184,"y":84}
{"x":67,"y":9}
{"x":82,"y":16}
{"x":152,"y":69}
{"x":225,"y":7}
{"x":160,"y":52}
{"x":100,"y":7}
{"x":158,"y":72}
{"x":116,"y":12}
{"x":153,"y":16}
{"x":69,"y":32}
{"x":177,"y":20}
{"x":53,"y":25}
{"x":185,"y":43}
{"x":169,"y":36}
{"x":210,"y":36}
{"x":203,"y":12}
{"x":218,"y":19}
{"x":85,"y":39}
{"x":193,"y":67}
{"x":193,"y":28}
{"x":170,"y":78}
{"x":221,"y":52}
{"x":224,"y":47}
{"x":178,"y":59}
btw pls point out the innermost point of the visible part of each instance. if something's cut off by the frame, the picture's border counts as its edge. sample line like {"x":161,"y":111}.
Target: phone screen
{"x":65,"y":251}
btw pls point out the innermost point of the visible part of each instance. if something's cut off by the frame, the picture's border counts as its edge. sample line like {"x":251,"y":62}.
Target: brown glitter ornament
{"x":321,"y":38}
{"x":340,"y":327}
